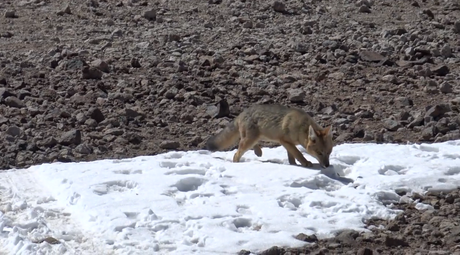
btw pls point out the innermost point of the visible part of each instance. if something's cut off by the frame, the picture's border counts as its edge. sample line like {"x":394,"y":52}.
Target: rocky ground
{"x":428,"y":224}
{"x":93,"y":79}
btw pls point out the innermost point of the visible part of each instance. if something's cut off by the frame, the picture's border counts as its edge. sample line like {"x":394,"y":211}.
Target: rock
{"x":10,"y":14}
{"x":114,"y":132}
{"x":132,"y":113}
{"x":395,"y":241}
{"x":72,"y":137}
{"x":391,"y":125}
{"x":428,"y":133}
{"x":279,"y":6}
{"x":169,"y":145}
{"x":457,"y":27}
{"x":135,"y":63}
{"x":306,"y":238}
{"x":347,"y":237}
{"x":13,"y":101}
{"x":223,"y":110}
{"x":441,"y":70}
{"x":91,"y":73}
{"x":96,"y":114}
{"x":13,"y":131}
{"x":49,"y":142}
{"x":65,"y":11}
{"x":275,"y":250}
{"x":364,"y":9}
{"x":365,"y":251}
{"x":445,"y":87}
{"x":446,"y":51}
{"x":437,"y":110}
{"x":101,"y":65}
{"x":83,"y":148}
{"x":150,"y":15}
{"x":371,"y":56}
{"x":296,"y":95}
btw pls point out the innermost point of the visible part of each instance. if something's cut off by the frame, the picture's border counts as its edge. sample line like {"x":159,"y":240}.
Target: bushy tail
{"x":224,"y":139}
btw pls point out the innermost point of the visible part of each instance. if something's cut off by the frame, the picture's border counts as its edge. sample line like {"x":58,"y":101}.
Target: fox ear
{"x":312,"y":134}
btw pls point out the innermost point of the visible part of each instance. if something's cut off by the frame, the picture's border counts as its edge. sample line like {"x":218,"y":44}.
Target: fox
{"x":281,"y":124}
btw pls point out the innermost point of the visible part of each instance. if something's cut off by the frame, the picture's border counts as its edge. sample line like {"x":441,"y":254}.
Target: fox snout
{"x":325,"y":163}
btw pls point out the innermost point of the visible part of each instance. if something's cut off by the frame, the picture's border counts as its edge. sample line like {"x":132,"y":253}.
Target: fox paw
{"x":308,"y":164}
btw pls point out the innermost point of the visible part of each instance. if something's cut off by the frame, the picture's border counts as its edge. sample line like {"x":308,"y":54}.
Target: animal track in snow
{"x":453,"y":170}
{"x":189,"y":184}
{"x":318,"y":182}
{"x":187,"y":171}
{"x":122,"y":161}
{"x":74,"y":198}
{"x":113,"y":186}
{"x":451,"y":156}
{"x":427,"y":148}
{"x":127,"y":171}
{"x":174,"y":155}
{"x":243,"y":209}
{"x":168,"y":164}
{"x":242,"y":223}
{"x":349,"y":160}
{"x":392,"y":170}
{"x":289,"y":202}
{"x":131,"y":215}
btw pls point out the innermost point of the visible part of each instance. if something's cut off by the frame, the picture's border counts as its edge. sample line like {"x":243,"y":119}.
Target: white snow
{"x":199,"y":202}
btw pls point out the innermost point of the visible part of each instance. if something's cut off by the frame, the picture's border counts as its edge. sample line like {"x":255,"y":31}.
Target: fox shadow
{"x":330,"y":171}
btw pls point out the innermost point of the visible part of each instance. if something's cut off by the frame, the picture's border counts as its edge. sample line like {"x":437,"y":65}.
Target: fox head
{"x":319,"y":144}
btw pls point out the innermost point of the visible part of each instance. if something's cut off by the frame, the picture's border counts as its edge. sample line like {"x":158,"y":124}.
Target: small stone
{"x":10,"y":14}
{"x":13,"y":101}
{"x":96,"y":114}
{"x":365,"y":251}
{"x":441,"y":70}
{"x":437,"y":110}
{"x":135,"y":63}
{"x":446,"y":51}
{"x":395,"y":241}
{"x":83,"y":149}
{"x":71,"y":137}
{"x":101,"y":65}
{"x":150,"y":15}
{"x":391,"y":125}
{"x":364,"y":9}
{"x":49,"y":142}
{"x":371,"y":56}
{"x":248,"y":24}
{"x":445,"y":87}
{"x":306,"y":238}
{"x":13,"y":131}
{"x":279,"y":7}
{"x":169,"y":145}
{"x":296,"y":95}
{"x":428,"y":133}
{"x":91,"y":73}
{"x":457,"y":27}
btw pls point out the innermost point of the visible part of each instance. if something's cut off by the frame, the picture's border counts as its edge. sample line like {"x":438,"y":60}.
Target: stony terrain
{"x":100,"y":79}
{"x":429,"y":224}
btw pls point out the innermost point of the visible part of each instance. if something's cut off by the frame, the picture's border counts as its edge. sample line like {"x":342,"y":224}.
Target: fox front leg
{"x":296,"y":154}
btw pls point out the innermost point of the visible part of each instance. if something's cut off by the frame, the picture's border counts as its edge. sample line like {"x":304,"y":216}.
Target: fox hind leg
{"x":248,"y":140}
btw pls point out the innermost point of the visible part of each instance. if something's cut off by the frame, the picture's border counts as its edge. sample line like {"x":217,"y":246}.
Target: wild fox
{"x":276,"y":123}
